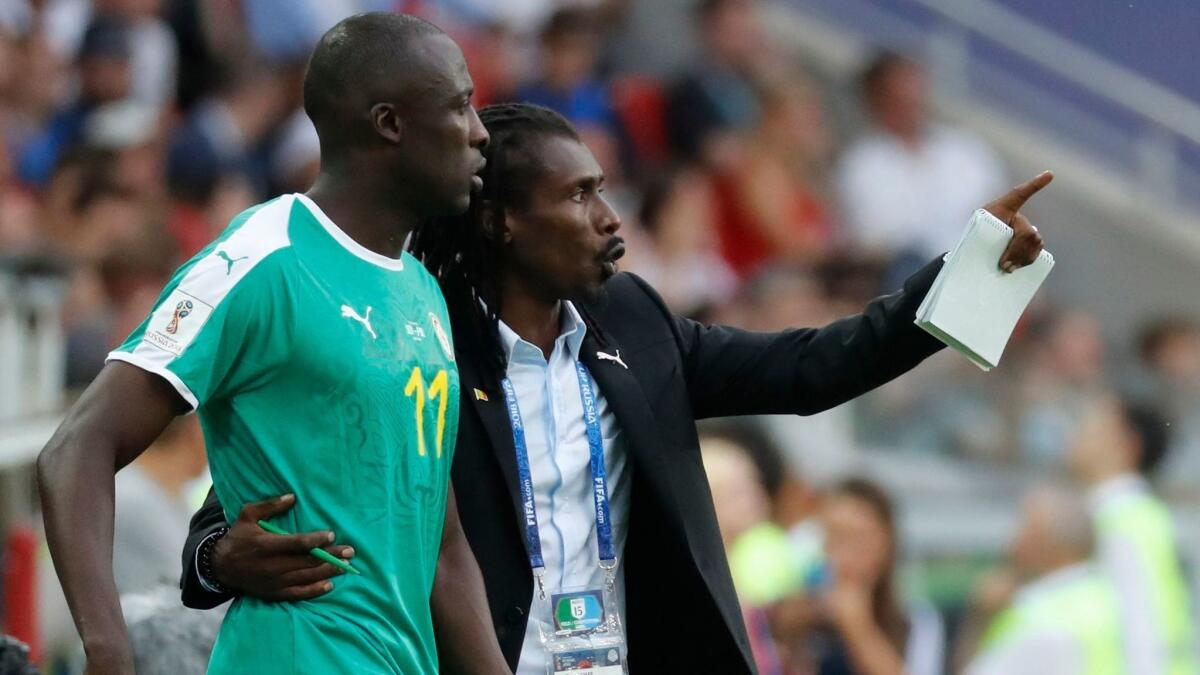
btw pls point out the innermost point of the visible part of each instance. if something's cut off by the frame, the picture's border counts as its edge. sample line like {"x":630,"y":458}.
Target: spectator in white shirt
{"x":152,"y":512}
{"x":908,"y":186}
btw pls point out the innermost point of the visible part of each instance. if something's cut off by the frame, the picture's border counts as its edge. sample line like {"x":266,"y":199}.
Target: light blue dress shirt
{"x":548,"y":396}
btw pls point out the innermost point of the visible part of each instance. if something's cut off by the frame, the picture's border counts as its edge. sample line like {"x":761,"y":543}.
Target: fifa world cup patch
{"x":176,"y":322}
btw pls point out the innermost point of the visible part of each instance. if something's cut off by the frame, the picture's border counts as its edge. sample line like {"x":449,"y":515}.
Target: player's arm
{"x":808,"y":370}
{"x":210,"y":334}
{"x":117,"y":418}
{"x":466,"y":638}
{"x":248,"y":560}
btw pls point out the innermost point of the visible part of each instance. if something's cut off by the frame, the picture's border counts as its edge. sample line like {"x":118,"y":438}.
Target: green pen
{"x":319,"y":553}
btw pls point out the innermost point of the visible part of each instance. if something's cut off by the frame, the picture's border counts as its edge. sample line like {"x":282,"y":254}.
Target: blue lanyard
{"x":591,"y":419}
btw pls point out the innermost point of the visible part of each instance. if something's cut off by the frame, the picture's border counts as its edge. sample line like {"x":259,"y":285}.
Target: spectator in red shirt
{"x":774,"y":203}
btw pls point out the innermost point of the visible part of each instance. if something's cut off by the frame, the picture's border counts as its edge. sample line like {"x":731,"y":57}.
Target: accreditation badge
{"x":582,"y":633}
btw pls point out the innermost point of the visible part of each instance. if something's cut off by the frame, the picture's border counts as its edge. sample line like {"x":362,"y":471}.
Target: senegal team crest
{"x":181,"y":310}
{"x":443,"y":339}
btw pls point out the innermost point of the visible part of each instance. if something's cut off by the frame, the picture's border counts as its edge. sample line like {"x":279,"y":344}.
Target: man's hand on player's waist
{"x":275,"y":567}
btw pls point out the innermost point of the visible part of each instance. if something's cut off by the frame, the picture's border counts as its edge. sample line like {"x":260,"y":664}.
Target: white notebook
{"x":973,"y":306}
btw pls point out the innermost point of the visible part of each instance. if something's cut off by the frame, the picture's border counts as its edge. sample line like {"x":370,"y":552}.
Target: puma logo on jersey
{"x":349,"y":313}
{"x":229,"y":261}
{"x":615,"y":359}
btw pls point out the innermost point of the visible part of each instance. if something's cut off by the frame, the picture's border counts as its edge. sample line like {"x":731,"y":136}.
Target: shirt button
{"x":514,"y":614}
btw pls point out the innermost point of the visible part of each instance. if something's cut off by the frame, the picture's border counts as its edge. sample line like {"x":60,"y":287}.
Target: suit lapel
{"x":628,"y":402}
{"x":492,"y":414}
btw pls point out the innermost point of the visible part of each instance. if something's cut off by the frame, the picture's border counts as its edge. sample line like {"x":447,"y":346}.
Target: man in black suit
{"x":541,"y":233}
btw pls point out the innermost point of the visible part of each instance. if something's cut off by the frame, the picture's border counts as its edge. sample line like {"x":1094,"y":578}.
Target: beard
{"x":594,"y":294}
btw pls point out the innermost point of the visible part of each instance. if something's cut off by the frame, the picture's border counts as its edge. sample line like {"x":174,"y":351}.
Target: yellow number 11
{"x":439,"y":389}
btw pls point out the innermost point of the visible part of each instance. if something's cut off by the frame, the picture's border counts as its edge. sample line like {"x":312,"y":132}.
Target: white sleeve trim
{"x":159,"y":369}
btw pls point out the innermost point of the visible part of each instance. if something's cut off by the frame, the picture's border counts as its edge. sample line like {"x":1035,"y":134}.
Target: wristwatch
{"x":204,"y":555}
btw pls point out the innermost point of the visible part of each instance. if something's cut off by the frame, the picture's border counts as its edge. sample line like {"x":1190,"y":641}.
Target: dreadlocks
{"x":459,"y":251}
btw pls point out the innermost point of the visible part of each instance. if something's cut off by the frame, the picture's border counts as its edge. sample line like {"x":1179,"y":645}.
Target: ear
{"x":385,"y":119}
{"x":496,"y":222}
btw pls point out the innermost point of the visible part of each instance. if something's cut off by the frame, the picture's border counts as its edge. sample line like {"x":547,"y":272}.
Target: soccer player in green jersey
{"x":319,"y":359}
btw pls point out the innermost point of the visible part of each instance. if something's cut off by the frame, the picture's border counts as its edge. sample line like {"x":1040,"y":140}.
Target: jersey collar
{"x":355,"y":248}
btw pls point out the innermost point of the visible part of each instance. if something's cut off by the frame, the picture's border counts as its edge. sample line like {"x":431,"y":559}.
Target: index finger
{"x":295,"y":543}
{"x":265,"y":510}
{"x":1016,"y":197}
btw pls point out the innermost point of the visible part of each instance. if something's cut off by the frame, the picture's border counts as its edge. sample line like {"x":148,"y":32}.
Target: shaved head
{"x":363,"y":59}
{"x":390,"y":97}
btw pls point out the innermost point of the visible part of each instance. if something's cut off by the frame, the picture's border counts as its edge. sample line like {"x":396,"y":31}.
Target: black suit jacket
{"x":682,"y":613}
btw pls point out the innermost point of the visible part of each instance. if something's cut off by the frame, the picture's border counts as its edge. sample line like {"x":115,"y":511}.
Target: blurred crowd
{"x":1091,"y":581}
{"x":132,"y":131}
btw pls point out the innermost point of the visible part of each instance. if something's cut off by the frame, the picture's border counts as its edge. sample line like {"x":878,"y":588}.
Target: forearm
{"x":113,"y":422}
{"x":870,"y":650}
{"x":466,"y":638}
{"x":868,"y":350}
{"x":805,"y":371}
{"x":76,"y":485}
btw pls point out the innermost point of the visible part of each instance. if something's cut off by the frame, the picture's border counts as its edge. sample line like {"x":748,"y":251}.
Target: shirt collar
{"x":1057,"y":578}
{"x":573,"y":331}
{"x":1116,"y":489}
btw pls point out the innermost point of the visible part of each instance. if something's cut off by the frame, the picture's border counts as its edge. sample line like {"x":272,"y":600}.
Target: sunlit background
{"x":775,"y":163}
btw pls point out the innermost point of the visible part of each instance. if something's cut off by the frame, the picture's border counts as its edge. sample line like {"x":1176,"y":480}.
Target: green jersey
{"x":321,"y":368}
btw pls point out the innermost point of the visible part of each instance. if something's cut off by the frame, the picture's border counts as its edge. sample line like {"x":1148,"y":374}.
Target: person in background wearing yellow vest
{"x":1064,"y":619}
{"x":1116,"y":446}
